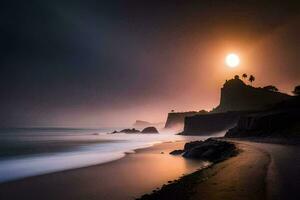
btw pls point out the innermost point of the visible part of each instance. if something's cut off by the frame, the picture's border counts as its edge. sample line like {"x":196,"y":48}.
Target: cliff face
{"x":176,"y":119}
{"x":237,"y":100}
{"x":210,"y":123}
{"x":283,"y":120}
{"x":237,"y":96}
{"x":141,"y":124}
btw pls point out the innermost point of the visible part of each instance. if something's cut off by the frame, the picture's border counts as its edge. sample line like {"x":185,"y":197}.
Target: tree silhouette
{"x":236,"y":77}
{"x":244,"y":76}
{"x":251,"y":79}
{"x":271,"y":88}
{"x":297,"y":90}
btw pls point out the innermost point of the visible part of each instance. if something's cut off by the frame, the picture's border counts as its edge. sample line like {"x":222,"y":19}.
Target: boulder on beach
{"x":177,"y":152}
{"x":190,"y":145}
{"x":150,"y":129}
{"x":211,"y":150}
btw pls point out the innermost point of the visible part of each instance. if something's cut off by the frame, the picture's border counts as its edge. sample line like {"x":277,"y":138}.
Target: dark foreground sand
{"x":239,"y":177}
{"x":127,"y":178}
{"x":260,"y":171}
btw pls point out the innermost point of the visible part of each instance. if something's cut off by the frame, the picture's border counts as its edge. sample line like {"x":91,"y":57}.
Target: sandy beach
{"x":241,"y":177}
{"x":260,"y":171}
{"x":128,"y":178}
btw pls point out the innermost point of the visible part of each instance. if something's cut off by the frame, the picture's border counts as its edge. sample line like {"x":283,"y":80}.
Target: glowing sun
{"x":232,"y":60}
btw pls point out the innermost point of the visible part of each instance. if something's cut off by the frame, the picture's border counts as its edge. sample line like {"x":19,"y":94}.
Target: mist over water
{"x":29,"y":152}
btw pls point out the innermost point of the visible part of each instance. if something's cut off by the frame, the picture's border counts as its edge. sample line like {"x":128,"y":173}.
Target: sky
{"x":89,"y":63}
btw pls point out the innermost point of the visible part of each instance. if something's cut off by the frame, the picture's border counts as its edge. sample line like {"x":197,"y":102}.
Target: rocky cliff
{"x":207,"y":124}
{"x":176,"y":119}
{"x":237,"y":100}
{"x":282,"y":120}
{"x":237,"y":96}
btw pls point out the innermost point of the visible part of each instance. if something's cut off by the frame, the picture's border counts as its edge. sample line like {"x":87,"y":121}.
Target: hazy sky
{"x":107,"y":63}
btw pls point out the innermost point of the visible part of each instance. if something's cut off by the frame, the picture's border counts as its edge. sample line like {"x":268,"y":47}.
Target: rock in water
{"x":130,"y":131}
{"x":150,"y":129}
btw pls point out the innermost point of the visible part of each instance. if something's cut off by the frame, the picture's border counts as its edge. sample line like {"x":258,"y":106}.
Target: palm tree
{"x":297,"y":90}
{"x":251,"y":79}
{"x":244,"y":76}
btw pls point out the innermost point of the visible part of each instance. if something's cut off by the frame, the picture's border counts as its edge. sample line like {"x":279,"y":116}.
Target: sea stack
{"x":150,"y":129}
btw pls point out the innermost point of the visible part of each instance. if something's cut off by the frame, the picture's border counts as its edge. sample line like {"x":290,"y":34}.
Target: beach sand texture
{"x":127,"y":178}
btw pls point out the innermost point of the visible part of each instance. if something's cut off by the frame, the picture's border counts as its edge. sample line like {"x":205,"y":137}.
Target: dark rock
{"x":130,"y":131}
{"x":282,"y":120}
{"x":211,"y":123}
{"x":150,"y":129}
{"x":282,"y":124}
{"x":114,"y":132}
{"x":190,"y":145}
{"x":177,"y":152}
{"x":237,"y":100}
{"x":176,"y":119}
{"x":237,"y":96}
{"x":211,"y":150}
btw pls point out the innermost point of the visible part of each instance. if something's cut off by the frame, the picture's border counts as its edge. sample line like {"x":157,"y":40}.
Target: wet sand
{"x":127,"y":178}
{"x":283,"y":176}
{"x":260,"y":171}
{"x":240,"y":177}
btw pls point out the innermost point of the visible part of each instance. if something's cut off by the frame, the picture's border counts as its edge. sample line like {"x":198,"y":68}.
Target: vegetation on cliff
{"x":238,"y":96}
{"x":237,"y":100}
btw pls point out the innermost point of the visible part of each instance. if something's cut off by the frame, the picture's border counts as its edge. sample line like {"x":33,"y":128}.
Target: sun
{"x":232,"y":60}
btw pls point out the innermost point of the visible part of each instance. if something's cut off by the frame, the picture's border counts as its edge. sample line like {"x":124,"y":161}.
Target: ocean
{"x":26,"y":152}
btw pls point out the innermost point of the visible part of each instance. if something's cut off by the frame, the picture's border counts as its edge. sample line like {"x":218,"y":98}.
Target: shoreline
{"x":257,"y":164}
{"x":25,"y":166}
{"x":125,"y":153}
{"x":260,"y":171}
{"x":220,"y":180}
{"x":119,"y":179}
